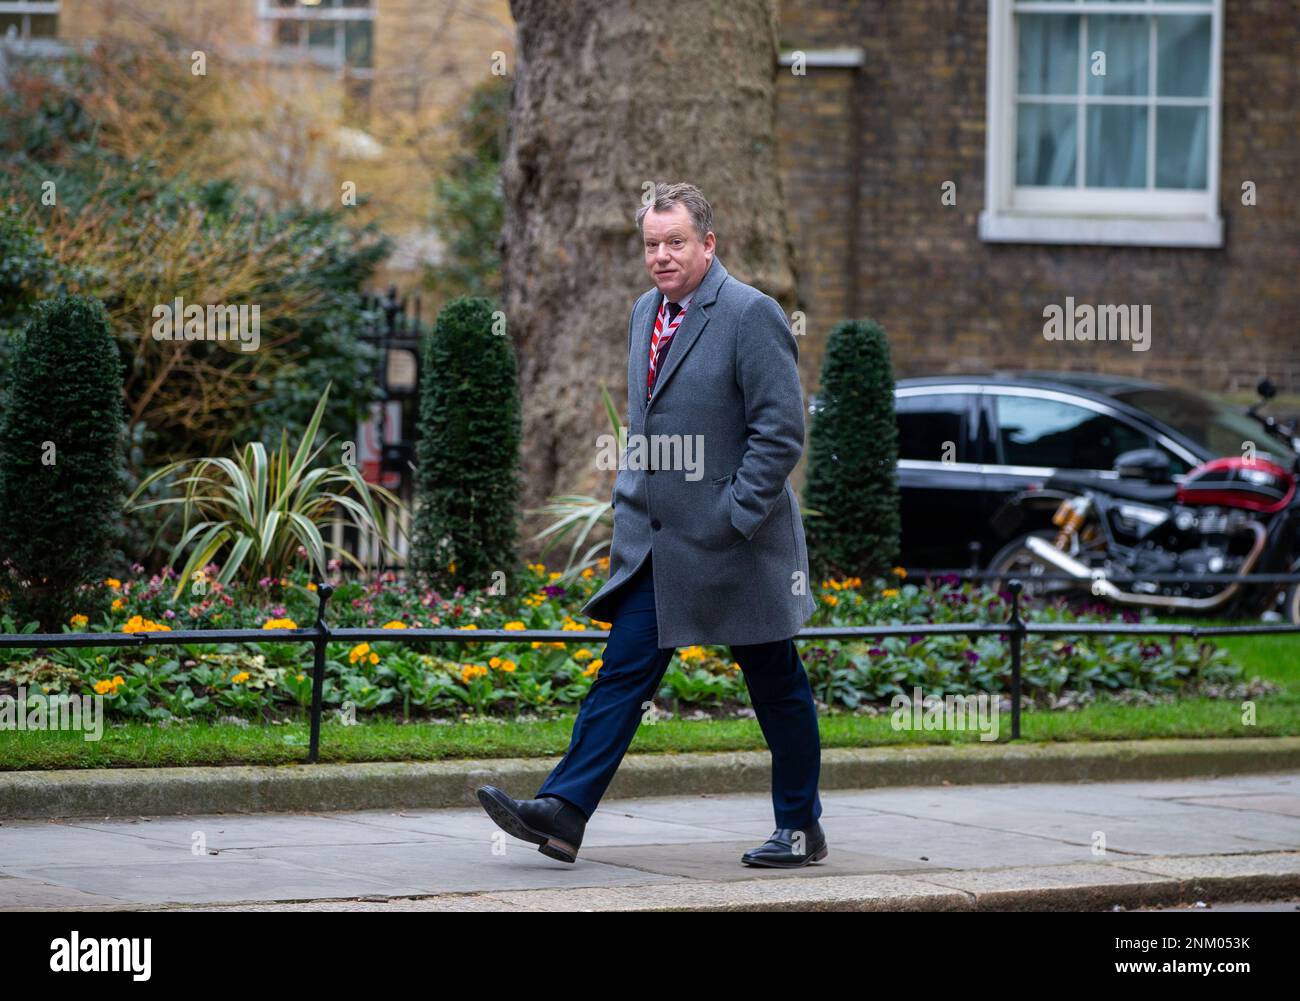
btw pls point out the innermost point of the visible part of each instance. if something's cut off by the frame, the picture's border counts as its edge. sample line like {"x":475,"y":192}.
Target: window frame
{"x":968,"y":448}
{"x":27,"y":8}
{"x":271,"y":15}
{"x":1157,"y":438}
{"x":1032,"y":214}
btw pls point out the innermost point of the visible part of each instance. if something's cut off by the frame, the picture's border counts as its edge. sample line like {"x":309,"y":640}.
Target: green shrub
{"x":853,"y":457}
{"x":467,"y":480}
{"x":61,"y":457}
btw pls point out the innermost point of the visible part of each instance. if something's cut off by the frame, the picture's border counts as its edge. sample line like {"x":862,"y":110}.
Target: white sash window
{"x":1103,"y":122}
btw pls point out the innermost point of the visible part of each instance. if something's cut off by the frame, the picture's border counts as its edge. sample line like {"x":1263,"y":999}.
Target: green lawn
{"x":1274,"y":658}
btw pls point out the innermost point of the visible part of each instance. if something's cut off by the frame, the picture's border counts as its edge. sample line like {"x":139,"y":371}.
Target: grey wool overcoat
{"x":703,"y":482}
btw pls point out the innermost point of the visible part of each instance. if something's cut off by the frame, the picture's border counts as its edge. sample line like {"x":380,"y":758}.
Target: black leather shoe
{"x":549,"y":822}
{"x":779,"y":851}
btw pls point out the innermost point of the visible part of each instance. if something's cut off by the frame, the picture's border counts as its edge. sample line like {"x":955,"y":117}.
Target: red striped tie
{"x":660,"y":341}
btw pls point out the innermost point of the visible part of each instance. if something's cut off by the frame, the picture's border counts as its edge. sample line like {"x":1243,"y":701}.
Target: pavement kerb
{"x":1129,"y":883}
{"x":123,"y":792}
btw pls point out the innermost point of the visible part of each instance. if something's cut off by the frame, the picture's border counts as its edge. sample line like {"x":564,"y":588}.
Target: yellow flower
{"x":471,"y":671}
{"x":299,"y":676}
{"x":118,"y":604}
{"x":735,"y":666}
{"x":537,"y":567}
{"x":508,"y":666}
{"x":603,"y":625}
{"x":583,"y":654}
{"x":374,"y":657}
{"x":279,"y":624}
{"x":830,"y":599}
{"x":358,"y":652}
{"x":515,"y":625}
{"x":451,"y":567}
{"x":114,"y":583}
{"x":139,"y":624}
{"x":536,"y":644}
{"x":899,"y":571}
{"x":77,"y":621}
{"x":592,"y":668}
{"x":889,"y":592}
{"x":118,"y":680}
{"x":469,"y":626}
{"x":554,"y":574}
{"x":106,"y":687}
{"x":311,"y":586}
{"x":240,"y":678}
{"x":394,"y":625}
{"x":588,"y":572}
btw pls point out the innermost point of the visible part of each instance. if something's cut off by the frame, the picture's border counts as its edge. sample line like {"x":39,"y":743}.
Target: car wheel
{"x":1017,"y":560}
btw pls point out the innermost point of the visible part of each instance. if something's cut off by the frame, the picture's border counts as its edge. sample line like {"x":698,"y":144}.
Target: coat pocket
{"x":722,"y":533}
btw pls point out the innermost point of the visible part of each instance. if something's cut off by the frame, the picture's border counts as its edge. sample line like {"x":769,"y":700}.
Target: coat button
{"x":655,"y":524}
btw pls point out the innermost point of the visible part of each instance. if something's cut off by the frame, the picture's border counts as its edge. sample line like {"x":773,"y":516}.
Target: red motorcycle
{"x":1231,"y":516}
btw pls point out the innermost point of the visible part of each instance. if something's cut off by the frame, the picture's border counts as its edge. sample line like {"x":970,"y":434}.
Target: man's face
{"x":675,"y":256}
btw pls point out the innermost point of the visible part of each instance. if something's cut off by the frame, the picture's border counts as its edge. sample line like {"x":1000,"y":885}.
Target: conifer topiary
{"x":853,"y":456}
{"x":61,"y":458}
{"x":467,"y":478}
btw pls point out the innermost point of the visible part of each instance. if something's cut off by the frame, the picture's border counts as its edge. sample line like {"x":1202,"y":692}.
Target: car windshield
{"x":1206,"y":421}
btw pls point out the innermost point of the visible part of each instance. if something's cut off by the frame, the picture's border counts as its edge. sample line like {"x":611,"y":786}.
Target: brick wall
{"x":949,"y":301}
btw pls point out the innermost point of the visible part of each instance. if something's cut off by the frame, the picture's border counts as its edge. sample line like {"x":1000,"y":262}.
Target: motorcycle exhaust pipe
{"x":1106,"y":589}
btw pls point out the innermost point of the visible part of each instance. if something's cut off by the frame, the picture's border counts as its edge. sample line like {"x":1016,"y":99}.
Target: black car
{"x":968,"y":443}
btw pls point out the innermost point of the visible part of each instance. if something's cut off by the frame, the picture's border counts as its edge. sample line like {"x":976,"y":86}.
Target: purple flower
{"x":266,"y":582}
{"x":972,"y":656}
{"x":553,"y":590}
{"x":137,"y":568}
{"x":279,"y":612}
{"x":950,"y":579}
{"x":875,"y":651}
{"x":915,"y":638}
{"x":168,"y":614}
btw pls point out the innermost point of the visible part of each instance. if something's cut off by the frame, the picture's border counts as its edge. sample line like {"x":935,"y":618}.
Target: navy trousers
{"x":630,"y":674}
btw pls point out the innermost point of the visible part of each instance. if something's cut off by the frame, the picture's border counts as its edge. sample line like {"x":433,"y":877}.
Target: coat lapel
{"x":697,"y":318}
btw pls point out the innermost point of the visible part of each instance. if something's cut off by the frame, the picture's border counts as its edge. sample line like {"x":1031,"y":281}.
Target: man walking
{"x":711,"y":556}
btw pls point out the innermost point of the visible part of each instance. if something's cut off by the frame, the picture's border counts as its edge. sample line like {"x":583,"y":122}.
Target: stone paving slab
{"x":924,"y":848}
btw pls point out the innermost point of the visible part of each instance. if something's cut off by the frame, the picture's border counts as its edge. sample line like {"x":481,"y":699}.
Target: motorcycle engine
{"x":1195,"y":541}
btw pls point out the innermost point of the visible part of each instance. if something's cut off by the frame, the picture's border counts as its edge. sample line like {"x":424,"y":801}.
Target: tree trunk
{"x":609,"y":96}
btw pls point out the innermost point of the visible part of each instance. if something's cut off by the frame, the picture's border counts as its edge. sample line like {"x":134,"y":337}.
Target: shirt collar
{"x":664,"y":300}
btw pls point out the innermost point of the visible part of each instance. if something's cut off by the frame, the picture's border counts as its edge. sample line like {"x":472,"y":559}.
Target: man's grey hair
{"x":668,"y":195}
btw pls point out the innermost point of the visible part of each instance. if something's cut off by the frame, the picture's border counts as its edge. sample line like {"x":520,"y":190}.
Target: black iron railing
{"x":320,"y":635}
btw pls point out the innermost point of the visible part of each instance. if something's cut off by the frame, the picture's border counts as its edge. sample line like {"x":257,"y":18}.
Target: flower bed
{"x":502,"y":677}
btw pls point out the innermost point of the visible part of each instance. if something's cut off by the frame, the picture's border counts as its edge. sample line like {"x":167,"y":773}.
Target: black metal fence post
{"x":323,"y":592}
{"x":1017,"y":638}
